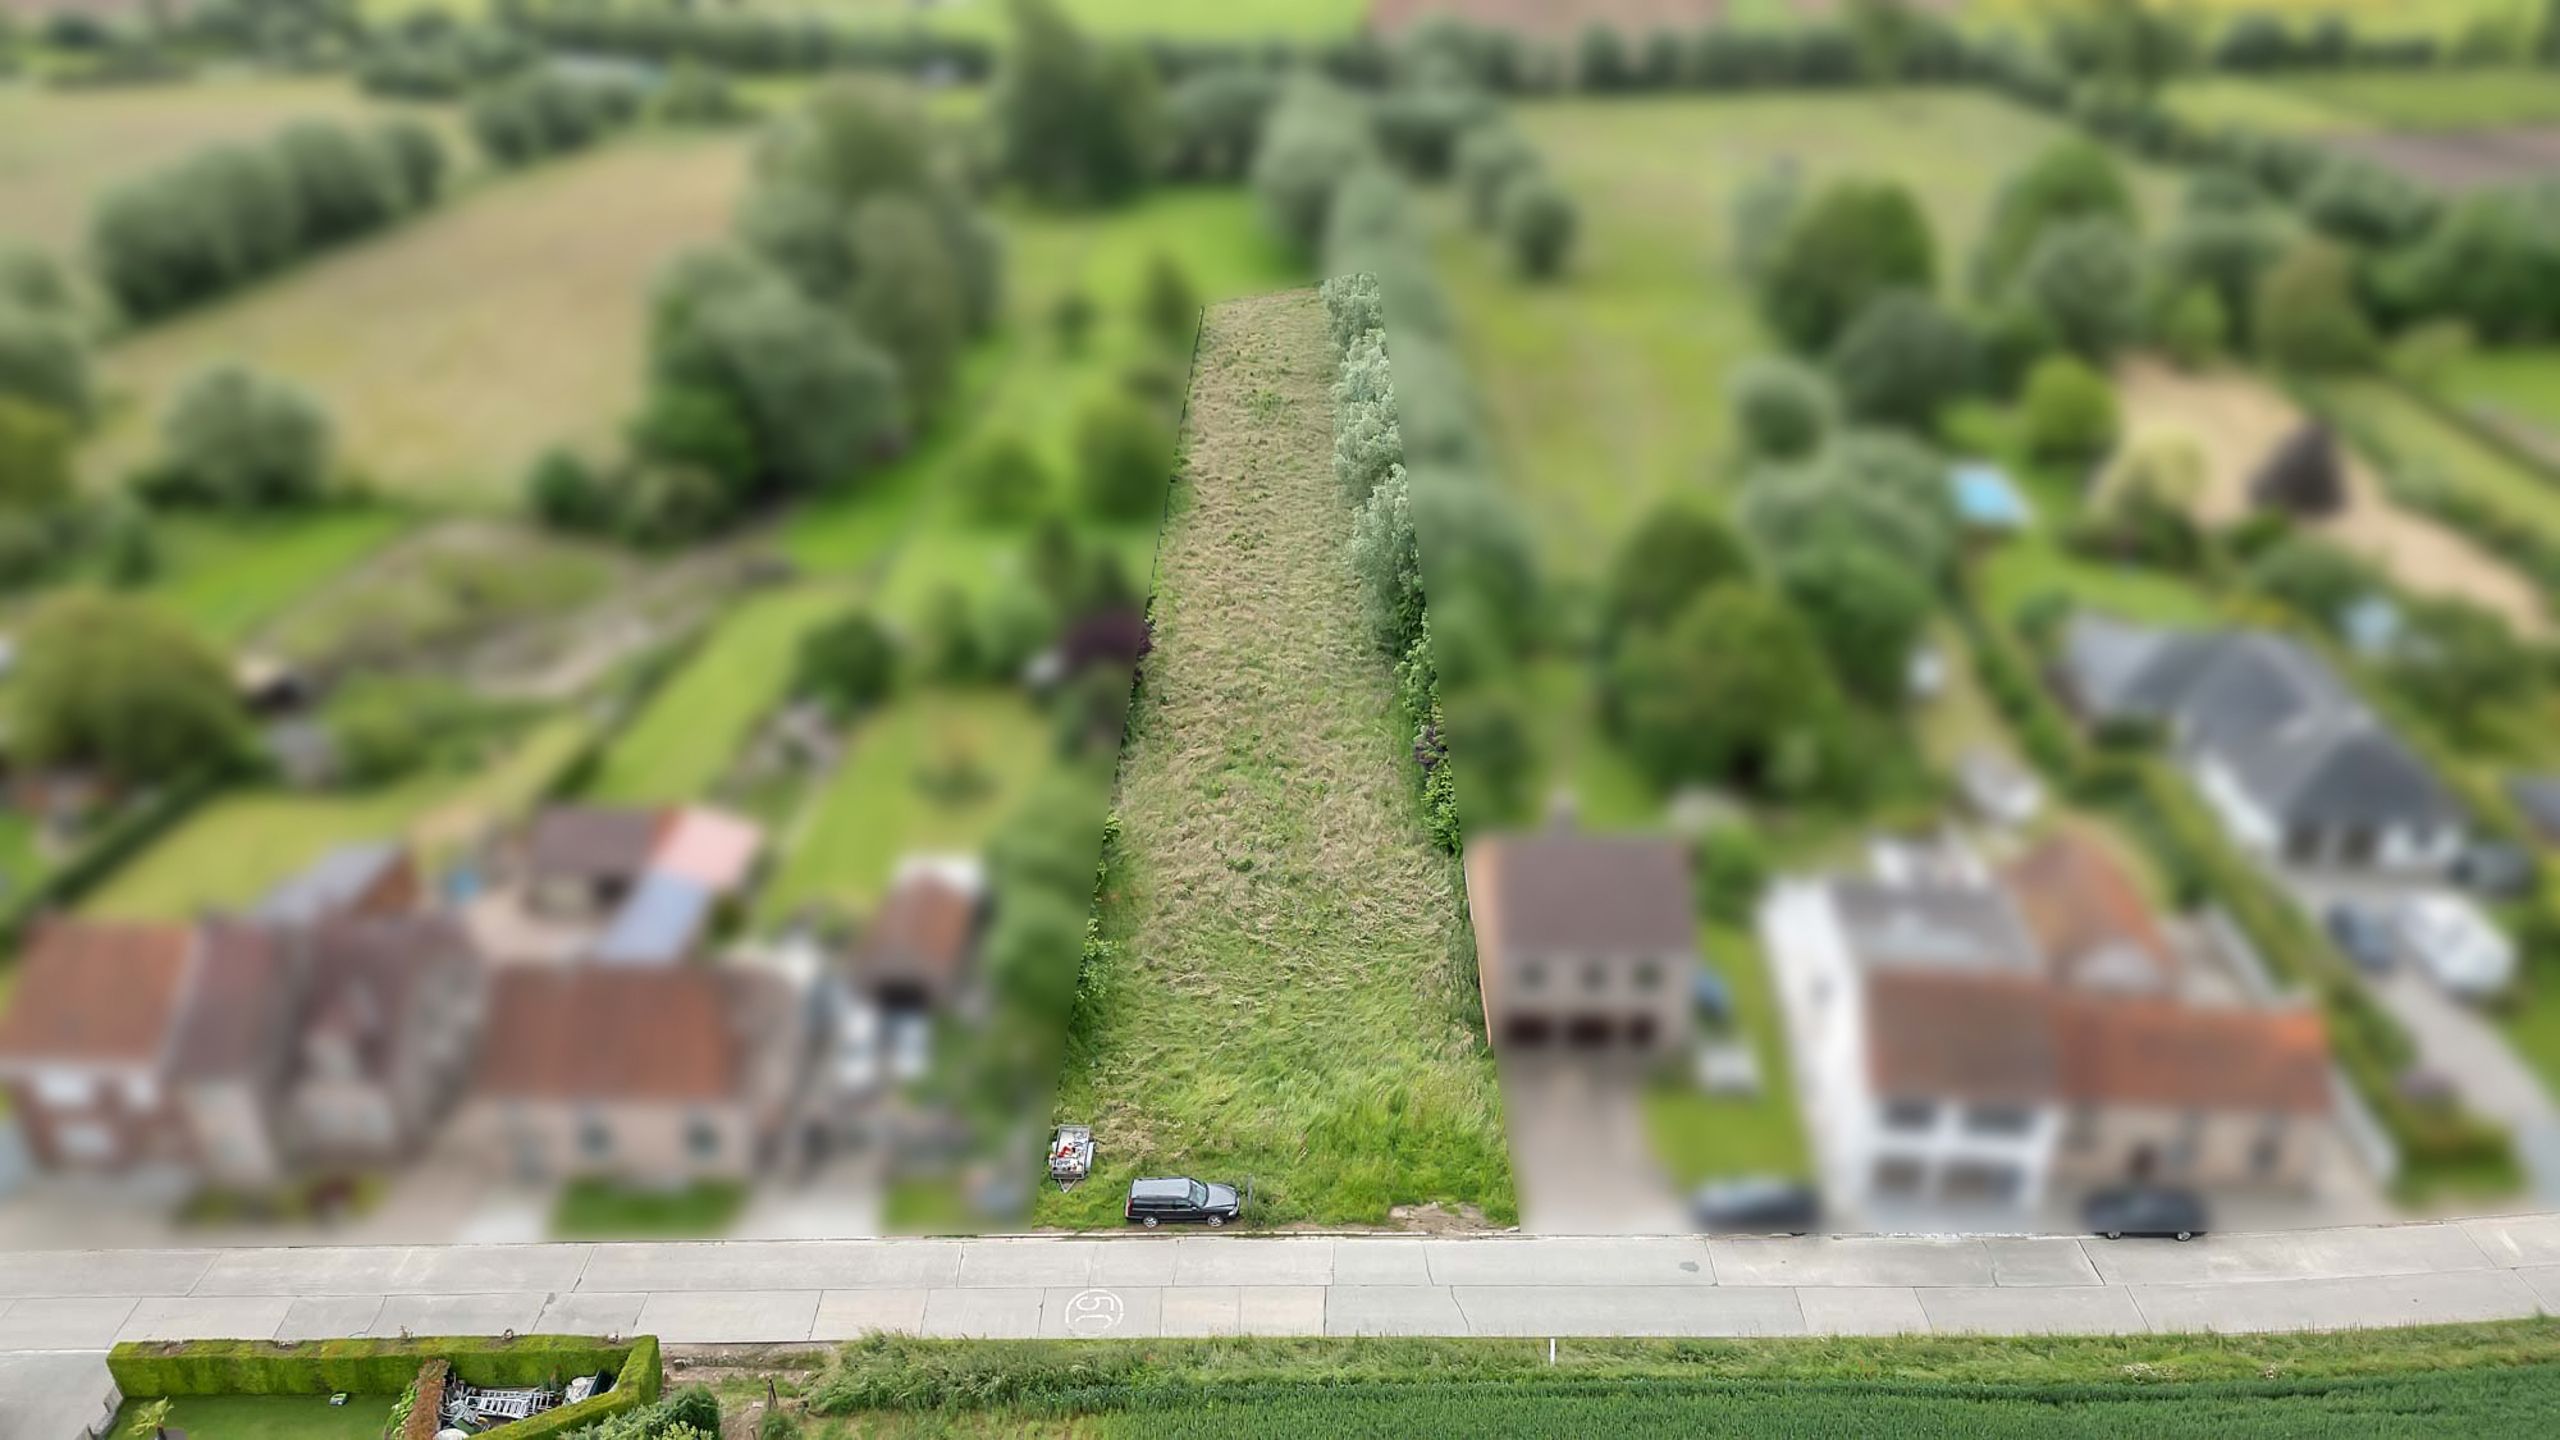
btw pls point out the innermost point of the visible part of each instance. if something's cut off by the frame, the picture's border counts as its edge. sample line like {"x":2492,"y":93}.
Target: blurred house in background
{"x":2294,"y":765}
{"x":1583,"y":942}
{"x":649,"y":1075}
{"x":1966,"y":1043}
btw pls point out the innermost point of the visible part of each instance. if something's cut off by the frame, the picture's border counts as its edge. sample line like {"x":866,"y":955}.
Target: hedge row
{"x":123,"y":838}
{"x":382,"y":1367}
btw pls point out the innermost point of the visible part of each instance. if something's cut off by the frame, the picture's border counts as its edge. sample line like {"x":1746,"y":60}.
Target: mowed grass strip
{"x":455,"y":349}
{"x":1286,"y":1002}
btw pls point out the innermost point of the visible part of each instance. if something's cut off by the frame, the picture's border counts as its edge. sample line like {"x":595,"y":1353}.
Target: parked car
{"x":2364,"y":936}
{"x":1180,"y":1200}
{"x":2458,"y":947}
{"x":1757,"y":1205}
{"x":2145,"y":1210}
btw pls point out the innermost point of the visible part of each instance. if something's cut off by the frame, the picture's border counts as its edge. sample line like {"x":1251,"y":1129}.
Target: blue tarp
{"x":1985,"y":498}
{"x":659,"y":924}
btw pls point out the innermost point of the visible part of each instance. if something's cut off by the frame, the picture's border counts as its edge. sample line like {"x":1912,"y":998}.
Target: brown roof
{"x":101,"y":992}
{"x":593,"y":842}
{"x":1547,"y":891}
{"x":1937,"y":1035}
{"x":2083,"y":906}
{"x":594,"y":1032}
{"x":921,"y":933}
{"x":2122,"y":1051}
{"x":237,"y":1011}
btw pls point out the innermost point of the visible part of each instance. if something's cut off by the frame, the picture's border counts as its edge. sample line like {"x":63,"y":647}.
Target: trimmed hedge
{"x":382,"y":1367}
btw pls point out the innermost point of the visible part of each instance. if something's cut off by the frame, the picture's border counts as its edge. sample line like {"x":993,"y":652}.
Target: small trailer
{"x":1071,"y":1155}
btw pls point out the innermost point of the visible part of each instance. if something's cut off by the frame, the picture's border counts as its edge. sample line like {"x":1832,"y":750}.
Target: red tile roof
{"x":97,"y":992}
{"x":1945,"y":1035}
{"x":2081,"y":903}
{"x":611,"y":1033}
{"x":2161,"y":1054}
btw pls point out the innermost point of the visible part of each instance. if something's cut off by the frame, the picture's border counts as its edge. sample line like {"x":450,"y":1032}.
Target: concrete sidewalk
{"x":1162,"y":1285}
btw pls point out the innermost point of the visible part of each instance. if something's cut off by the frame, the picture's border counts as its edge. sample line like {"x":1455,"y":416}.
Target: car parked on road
{"x":2144,"y":1210}
{"x":2364,"y":936}
{"x":1756,"y":1205}
{"x":1181,"y":1200}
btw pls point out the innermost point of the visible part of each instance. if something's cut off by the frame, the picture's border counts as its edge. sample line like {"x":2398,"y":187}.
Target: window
{"x":1199,"y":1194}
{"x":2266,"y":1153}
{"x":1648,"y":975}
{"x":595,"y":1138}
{"x":1910,"y":1115}
{"x":702,"y":1138}
{"x":1533,"y":975}
{"x":63,"y":1087}
{"x":1999,"y":1120}
{"x":1897,"y":1175}
{"x":1595,"y":976}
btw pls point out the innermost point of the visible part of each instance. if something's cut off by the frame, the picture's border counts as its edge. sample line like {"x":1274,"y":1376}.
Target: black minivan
{"x":1180,"y":1200}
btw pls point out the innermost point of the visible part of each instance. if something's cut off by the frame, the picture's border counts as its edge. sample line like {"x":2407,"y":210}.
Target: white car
{"x":2455,"y":944}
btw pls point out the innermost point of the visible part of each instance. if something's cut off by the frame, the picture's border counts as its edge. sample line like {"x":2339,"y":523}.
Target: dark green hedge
{"x":385,"y":1367}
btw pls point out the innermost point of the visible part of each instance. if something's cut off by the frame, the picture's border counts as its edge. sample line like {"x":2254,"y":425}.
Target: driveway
{"x":1579,"y":1153}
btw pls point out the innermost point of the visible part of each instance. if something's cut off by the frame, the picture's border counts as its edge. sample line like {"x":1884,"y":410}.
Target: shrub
{"x":2194,"y":328}
{"x":35,"y":459}
{"x":1900,"y":360}
{"x":692,"y":425}
{"x":1866,"y":607}
{"x":2226,"y":254}
{"x":2069,"y":412}
{"x":1386,"y":559}
{"x":1076,"y":122}
{"x":1490,"y":157}
{"x":697,"y":94}
{"x":119,"y":684}
{"x":1313,"y":140}
{"x":2085,"y":277}
{"x":1732,"y":871}
{"x":42,"y":361}
{"x":1214,"y":121}
{"x":1782,"y":408}
{"x":2363,"y":203}
{"x":1170,"y":307}
{"x":1679,"y":551}
{"x":1124,"y":459}
{"x":1538,"y":221}
{"x":1855,"y":241}
{"x":416,"y":156}
{"x":848,"y":664}
{"x":345,"y":186}
{"x":2071,"y":181}
{"x":1735,"y":690}
{"x":240,"y":440}
{"x":1002,"y":482}
{"x":907,"y":294}
{"x":565,"y":493}
{"x":2306,"y":316}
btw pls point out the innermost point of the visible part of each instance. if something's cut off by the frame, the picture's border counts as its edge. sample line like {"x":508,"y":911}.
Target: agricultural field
{"x":2450,"y":1380}
{"x":60,"y":150}
{"x":456,"y":348}
{"x":2515,"y":392}
{"x":1286,"y":1004}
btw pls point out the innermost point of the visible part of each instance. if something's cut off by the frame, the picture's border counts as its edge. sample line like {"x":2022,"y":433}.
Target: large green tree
{"x":118,"y":684}
{"x":1078,"y":122}
{"x":1853,"y":242}
{"x":2071,"y":180}
{"x":1674,"y":553}
{"x":240,"y":439}
{"x":1735,"y":690}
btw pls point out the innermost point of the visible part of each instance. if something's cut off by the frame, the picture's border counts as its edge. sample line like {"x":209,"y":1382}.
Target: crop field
{"x":2455,"y":1380}
{"x":60,"y":150}
{"x":1620,"y":371}
{"x":1286,"y":1004}
{"x":455,"y":349}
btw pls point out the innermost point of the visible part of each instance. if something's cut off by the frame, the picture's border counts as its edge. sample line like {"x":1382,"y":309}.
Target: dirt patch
{"x":2237,"y":419}
{"x":2460,"y":161}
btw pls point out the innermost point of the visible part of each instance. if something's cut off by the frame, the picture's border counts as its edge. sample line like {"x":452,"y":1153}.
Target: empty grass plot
{"x":1281,"y":999}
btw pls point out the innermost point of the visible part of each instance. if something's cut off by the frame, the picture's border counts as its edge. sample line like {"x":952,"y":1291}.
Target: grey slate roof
{"x":2268,"y":708}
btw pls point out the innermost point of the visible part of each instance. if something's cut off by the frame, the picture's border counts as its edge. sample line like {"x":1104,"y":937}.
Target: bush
{"x":1782,"y":408}
{"x":1900,"y":360}
{"x":1314,"y":139}
{"x":697,"y":94}
{"x":848,"y":664}
{"x":236,"y":439}
{"x":2306,"y":316}
{"x":1867,"y":608}
{"x":1732,"y":871}
{"x":1002,"y":482}
{"x":2362,"y":203}
{"x":2194,"y":328}
{"x":1490,"y":158}
{"x":1124,"y":459}
{"x":1386,"y":559}
{"x":387,"y":726}
{"x":1076,"y":122}
{"x":1538,"y":221}
{"x":1170,"y":307}
{"x":345,"y":186}
{"x":416,"y":156}
{"x":42,"y":361}
{"x":2226,"y":254}
{"x":2071,"y":181}
{"x":2069,"y":412}
{"x":1735,"y":690}
{"x":1214,"y":122}
{"x":565,"y":493}
{"x":2085,"y":277}
{"x":119,"y":684}
{"x":1855,"y":241}
{"x":35,"y":460}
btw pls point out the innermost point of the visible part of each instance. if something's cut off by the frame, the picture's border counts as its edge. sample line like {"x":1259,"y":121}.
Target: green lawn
{"x":2267,"y":106}
{"x":229,"y":575}
{"x":2425,"y":448}
{"x":1285,"y":1003}
{"x":241,"y":844}
{"x":935,"y":771}
{"x":2032,"y":566}
{"x":2514,"y":390}
{"x":603,"y":1210}
{"x":1698,"y":1136}
{"x":1173,"y":19}
{"x":683,"y":742}
{"x":2434,"y":99}
{"x":271,"y":1417}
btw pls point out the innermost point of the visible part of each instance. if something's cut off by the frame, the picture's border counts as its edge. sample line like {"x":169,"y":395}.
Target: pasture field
{"x":2266,"y":105}
{"x":231,"y":574}
{"x":2515,"y":391}
{"x":2433,"y":99}
{"x":937,"y":771}
{"x":1286,"y":1002}
{"x":1175,"y":19}
{"x":456,"y":348}
{"x":1605,"y":393}
{"x":60,"y":150}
